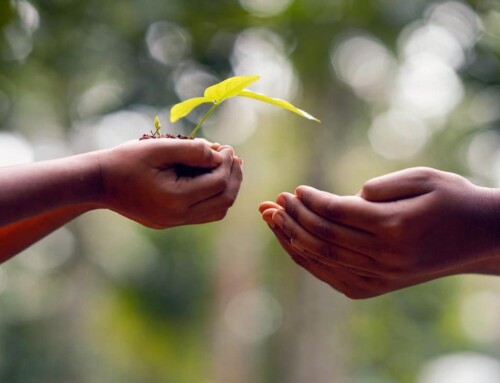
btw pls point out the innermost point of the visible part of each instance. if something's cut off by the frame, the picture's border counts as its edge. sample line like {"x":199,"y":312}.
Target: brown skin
{"x":400,"y":230}
{"x":136,"y":179}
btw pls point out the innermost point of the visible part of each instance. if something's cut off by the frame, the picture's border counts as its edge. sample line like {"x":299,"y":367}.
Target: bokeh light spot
{"x":461,"y":368}
{"x":14,"y":149}
{"x":365,"y":64}
{"x":168,"y":43}
{"x":253,"y":315}
{"x":265,"y":8}
{"x":397,"y":135}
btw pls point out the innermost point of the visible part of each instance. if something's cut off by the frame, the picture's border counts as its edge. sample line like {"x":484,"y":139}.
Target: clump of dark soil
{"x":168,"y":135}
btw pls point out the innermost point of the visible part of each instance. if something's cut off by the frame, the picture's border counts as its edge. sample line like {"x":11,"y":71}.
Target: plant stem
{"x":210,"y":111}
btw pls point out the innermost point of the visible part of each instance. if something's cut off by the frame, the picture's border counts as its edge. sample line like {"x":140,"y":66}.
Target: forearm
{"x":18,"y":236}
{"x":34,"y":189}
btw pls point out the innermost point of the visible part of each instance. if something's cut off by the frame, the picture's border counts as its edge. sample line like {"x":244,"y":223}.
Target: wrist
{"x":489,"y":260}
{"x":86,"y":188}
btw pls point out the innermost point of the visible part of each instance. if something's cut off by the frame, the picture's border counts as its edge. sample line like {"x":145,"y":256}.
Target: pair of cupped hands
{"x":401,"y":229}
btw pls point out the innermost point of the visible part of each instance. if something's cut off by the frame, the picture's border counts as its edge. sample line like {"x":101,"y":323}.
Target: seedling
{"x":157,"y":127}
{"x":216,"y":94}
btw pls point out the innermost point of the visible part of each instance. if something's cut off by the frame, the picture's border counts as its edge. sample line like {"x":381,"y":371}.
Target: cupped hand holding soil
{"x":141,"y":180}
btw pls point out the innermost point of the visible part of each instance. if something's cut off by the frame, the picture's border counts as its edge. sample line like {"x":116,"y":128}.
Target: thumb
{"x":194,"y":153}
{"x":403,"y":184}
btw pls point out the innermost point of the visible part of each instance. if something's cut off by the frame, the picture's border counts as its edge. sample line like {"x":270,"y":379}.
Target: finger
{"x":351,"y":211}
{"x":206,"y":185}
{"x":353,"y":263}
{"x":227,"y":197}
{"x":337,"y":276}
{"x":399,"y":185}
{"x":340,"y":235}
{"x":322,"y":250}
{"x":268,"y":205}
{"x":352,"y":267}
{"x":195,"y":153}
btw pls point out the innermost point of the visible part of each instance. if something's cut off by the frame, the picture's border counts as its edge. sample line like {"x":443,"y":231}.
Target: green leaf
{"x":234,"y":86}
{"x":157,"y":126}
{"x":185,"y":107}
{"x":228,"y":88}
{"x":278,"y":102}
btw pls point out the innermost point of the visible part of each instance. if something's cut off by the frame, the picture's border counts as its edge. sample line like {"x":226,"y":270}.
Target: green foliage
{"x":231,"y":87}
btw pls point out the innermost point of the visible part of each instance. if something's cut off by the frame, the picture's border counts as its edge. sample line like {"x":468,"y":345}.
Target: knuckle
{"x":425,"y":176}
{"x":394,"y":226}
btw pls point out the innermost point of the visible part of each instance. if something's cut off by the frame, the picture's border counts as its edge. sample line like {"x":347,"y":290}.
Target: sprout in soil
{"x":157,"y":127}
{"x":216,"y":94}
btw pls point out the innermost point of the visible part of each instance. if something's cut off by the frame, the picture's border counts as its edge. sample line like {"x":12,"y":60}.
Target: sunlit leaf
{"x":278,"y":102}
{"x":157,"y":126}
{"x":157,"y":123}
{"x":228,"y":88}
{"x":185,"y":107}
{"x":231,"y":87}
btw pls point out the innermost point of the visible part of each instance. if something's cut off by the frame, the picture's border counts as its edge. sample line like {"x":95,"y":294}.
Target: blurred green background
{"x":395,"y":83}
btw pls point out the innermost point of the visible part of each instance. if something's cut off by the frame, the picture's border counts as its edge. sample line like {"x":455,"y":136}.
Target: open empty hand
{"x":401,"y":229}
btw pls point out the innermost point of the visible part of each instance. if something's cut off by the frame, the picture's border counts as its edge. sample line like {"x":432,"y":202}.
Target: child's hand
{"x":139,"y":181}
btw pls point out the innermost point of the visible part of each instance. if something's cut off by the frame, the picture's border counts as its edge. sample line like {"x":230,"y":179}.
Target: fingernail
{"x":281,"y":200}
{"x":298,"y":191}
{"x":301,"y":189}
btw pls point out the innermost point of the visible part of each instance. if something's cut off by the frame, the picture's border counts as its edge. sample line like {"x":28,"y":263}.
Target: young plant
{"x":231,"y":87}
{"x":157,"y":127}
